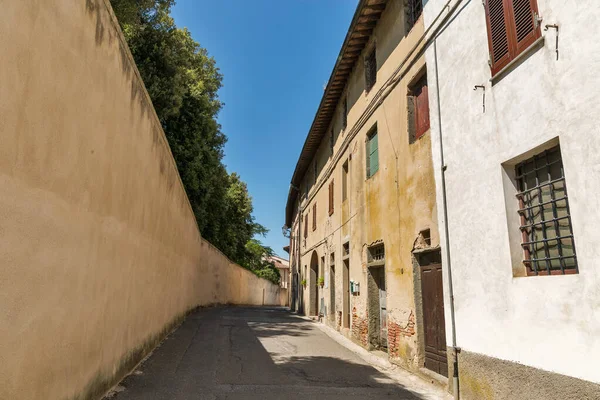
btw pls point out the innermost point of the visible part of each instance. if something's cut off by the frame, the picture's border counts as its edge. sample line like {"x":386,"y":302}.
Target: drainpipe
{"x":455,"y":350}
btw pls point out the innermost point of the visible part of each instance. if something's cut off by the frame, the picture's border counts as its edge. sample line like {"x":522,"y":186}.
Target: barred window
{"x":413,"y":10}
{"x":370,"y":70}
{"x":547,"y":234}
{"x":376,"y":253}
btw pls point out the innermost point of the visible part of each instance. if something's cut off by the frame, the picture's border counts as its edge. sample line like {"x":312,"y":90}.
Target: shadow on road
{"x":256,"y":354}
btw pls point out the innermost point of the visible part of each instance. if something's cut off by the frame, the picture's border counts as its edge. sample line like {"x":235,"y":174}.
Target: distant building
{"x":283,"y":266}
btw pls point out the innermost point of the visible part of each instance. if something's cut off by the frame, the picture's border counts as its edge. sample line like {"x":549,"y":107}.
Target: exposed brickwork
{"x":397,"y":331}
{"x":360,"y":328}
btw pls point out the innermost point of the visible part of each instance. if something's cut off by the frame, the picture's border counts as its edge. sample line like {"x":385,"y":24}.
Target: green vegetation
{"x":183,"y":83}
{"x":321,"y":281}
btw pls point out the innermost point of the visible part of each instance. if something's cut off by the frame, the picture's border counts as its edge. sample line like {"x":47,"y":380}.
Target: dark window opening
{"x":413,"y":10}
{"x":305,"y":226}
{"x":426,"y":234}
{"x":314,"y":227}
{"x":346,"y":249}
{"x":345,"y":181}
{"x":547,"y":234}
{"x":345,"y":114}
{"x":331,"y":189}
{"x":370,"y":70}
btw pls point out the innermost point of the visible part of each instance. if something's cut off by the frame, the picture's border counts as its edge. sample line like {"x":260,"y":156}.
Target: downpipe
{"x":455,"y":349}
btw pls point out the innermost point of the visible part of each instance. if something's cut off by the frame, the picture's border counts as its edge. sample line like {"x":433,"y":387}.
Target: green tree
{"x":183,"y":82}
{"x":257,"y":260}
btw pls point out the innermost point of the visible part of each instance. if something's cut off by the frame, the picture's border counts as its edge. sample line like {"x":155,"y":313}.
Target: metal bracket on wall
{"x":553,"y":26}
{"x":481,"y":87}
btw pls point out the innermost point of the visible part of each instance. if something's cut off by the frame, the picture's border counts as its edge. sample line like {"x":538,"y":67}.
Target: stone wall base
{"x":487,"y":378}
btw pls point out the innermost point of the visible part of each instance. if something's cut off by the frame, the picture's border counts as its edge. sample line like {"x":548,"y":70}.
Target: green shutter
{"x":373,"y":155}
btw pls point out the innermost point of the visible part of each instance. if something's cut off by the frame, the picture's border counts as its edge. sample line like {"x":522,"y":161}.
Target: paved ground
{"x":258,"y":354}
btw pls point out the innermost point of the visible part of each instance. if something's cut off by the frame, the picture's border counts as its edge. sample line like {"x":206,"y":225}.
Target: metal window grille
{"x":370,"y":70}
{"x":413,"y":8}
{"x":547,"y":233}
{"x":377,"y":253}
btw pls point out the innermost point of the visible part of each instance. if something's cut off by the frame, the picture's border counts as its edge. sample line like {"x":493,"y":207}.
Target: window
{"x":426,"y":234}
{"x":346,"y":249}
{"x":512,"y":26}
{"x":314,"y":216}
{"x":372,"y":153}
{"x":306,"y":226}
{"x":345,"y":181}
{"x":331,"y":197}
{"x":370,"y":70}
{"x":345,"y":114}
{"x":413,"y":10}
{"x":376,"y":253}
{"x":331,"y":142}
{"x":418,"y":110}
{"x":547,"y":234}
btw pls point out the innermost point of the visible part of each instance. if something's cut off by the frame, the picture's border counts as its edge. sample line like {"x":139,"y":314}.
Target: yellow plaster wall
{"x":99,"y":250}
{"x":393,"y":206}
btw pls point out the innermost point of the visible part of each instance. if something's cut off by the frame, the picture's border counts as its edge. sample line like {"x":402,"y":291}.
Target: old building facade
{"x":364,"y":243}
{"x":515,"y":145}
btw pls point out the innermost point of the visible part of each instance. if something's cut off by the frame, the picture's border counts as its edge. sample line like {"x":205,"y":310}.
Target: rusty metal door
{"x":433,"y":313}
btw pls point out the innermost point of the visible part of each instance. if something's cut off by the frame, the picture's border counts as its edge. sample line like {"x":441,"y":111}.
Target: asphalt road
{"x":255,"y":354}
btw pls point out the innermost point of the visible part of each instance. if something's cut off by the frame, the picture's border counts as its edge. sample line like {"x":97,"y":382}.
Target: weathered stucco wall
{"x":99,"y":253}
{"x":551,"y":323}
{"x":392,"y":206}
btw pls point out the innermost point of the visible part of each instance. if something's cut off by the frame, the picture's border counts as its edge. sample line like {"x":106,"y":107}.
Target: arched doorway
{"x":313,"y":285}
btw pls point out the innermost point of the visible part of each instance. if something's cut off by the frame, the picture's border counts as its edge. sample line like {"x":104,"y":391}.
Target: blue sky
{"x":276,"y":57}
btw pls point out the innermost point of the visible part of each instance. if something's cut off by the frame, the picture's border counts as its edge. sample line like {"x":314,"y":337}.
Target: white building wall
{"x":551,"y":323}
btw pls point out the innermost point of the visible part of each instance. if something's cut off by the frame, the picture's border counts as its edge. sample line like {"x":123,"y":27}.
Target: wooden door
{"x":433,"y":313}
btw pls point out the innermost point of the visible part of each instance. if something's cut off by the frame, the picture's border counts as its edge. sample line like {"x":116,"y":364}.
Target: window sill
{"x":539,"y":43}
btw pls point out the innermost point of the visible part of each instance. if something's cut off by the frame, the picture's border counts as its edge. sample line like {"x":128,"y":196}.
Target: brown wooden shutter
{"x":305,"y":226}
{"x":331,"y":197}
{"x":497,"y":16}
{"x":422,"y":108}
{"x":526,"y":26}
{"x":512,"y":27}
{"x":314,"y":216}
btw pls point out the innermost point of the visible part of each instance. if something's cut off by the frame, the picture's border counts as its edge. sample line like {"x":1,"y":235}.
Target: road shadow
{"x":226,"y":354}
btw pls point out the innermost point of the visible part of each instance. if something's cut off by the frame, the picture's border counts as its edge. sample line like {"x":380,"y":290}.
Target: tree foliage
{"x":183,"y":82}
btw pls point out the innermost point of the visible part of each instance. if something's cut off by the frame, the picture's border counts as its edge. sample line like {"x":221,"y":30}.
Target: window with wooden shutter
{"x":513,"y":26}
{"x":331,"y":198}
{"x":418,"y":109}
{"x":345,"y":181}
{"x":372,"y":153}
{"x":314,"y":216}
{"x":305,"y":226}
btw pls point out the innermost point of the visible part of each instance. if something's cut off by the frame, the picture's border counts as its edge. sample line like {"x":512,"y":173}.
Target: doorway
{"x":432,"y":292}
{"x":346,"y":294}
{"x":332,"y":287}
{"x":313,"y":285}
{"x":377,"y":295}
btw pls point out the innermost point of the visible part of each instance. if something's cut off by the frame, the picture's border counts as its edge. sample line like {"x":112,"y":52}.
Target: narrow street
{"x":259,"y":353}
